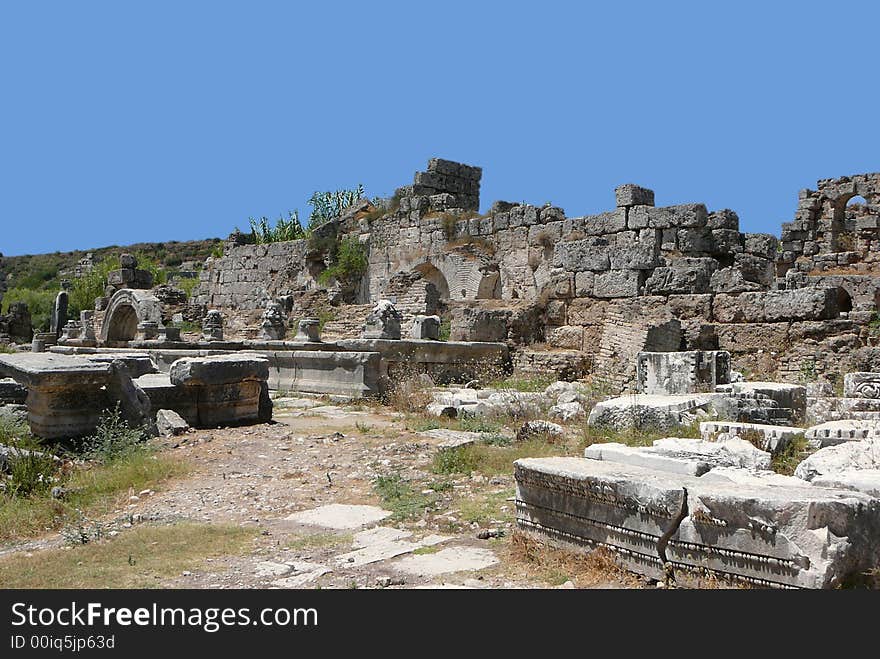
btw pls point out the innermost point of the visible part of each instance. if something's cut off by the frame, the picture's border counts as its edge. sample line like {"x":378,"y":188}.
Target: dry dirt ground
{"x":316,"y":454}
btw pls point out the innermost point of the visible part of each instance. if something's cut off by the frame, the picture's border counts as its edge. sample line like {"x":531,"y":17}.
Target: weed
{"x":399,"y":496}
{"x":786,"y":461}
{"x":113,"y":438}
{"x":363,"y":428}
{"x":348,"y":263}
{"x":30,"y":471}
{"x":523,"y":384}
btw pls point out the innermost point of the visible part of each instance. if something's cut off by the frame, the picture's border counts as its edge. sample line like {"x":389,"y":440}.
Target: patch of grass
{"x":401,"y":498}
{"x":320,"y":541}
{"x":92,"y":489}
{"x":529,"y":384}
{"x":634,"y":437}
{"x":363,"y":428}
{"x":432,"y":549}
{"x":479,"y":424}
{"x":486,"y":507}
{"x":495,"y":460}
{"x":787,"y":460}
{"x":139,"y":558}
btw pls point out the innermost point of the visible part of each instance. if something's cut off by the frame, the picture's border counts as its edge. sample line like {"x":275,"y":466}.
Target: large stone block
{"x":751,"y":337}
{"x":683,"y":275}
{"x":767,"y":531}
{"x":588,"y":254}
{"x":219,"y":369}
{"x":618,"y":283}
{"x":635,"y":250}
{"x":605,"y":223}
{"x":630,"y":194}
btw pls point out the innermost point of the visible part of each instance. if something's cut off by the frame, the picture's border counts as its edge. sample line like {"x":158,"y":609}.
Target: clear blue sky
{"x":151,"y":121}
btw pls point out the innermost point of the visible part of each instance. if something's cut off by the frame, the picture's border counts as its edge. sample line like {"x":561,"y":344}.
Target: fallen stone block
{"x":644,"y":411}
{"x":349,"y":374}
{"x":772,"y":438}
{"x":566,"y":412}
{"x":849,"y":456}
{"x":785,"y":395}
{"x":694,"y":371}
{"x":539,"y":428}
{"x":169,"y":423}
{"x":12,"y":392}
{"x":832,"y":433}
{"x":765,"y":534}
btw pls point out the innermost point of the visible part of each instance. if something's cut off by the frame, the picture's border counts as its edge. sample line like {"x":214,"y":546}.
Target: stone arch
{"x":435,"y":277}
{"x":489,"y":287}
{"x":844,"y":300}
{"x":126,"y":309}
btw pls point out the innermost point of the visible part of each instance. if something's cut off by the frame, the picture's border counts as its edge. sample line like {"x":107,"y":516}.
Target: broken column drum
{"x":212,"y":326}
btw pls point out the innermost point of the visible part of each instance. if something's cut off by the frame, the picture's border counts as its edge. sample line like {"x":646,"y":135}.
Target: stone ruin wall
{"x":582,"y":294}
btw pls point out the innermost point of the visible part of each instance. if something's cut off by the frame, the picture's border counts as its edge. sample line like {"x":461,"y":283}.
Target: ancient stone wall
{"x":638,"y":277}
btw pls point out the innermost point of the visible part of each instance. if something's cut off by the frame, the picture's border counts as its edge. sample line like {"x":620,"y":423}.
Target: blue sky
{"x":152,"y":121}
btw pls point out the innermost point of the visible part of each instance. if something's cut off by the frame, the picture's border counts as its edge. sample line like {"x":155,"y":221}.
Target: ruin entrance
{"x":123,"y":324}
{"x":433,"y":276}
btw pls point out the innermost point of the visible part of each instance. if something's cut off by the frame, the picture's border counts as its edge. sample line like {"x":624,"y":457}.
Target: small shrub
{"x":284,"y":230}
{"x":457,"y":460}
{"x":786,"y":461}
{"x":409,"y":393}
{"x":329,"y":205}
{"x":113,"y":438}
{"x":447,"y":224}
{"x":445,"y":328}
{"x":399,"y":496}
{"x":30,"y":471}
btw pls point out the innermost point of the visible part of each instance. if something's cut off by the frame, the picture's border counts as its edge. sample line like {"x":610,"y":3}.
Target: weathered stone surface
{"x":567,"y":411}
{"x":340,"y":517}
{"x":849,"y":456}
{"x":351,"y":374}
{"x":11,"y":391}
{"x":689,"y":372}
{"x":219,"y":369}
{"x":630,"y":194}
{"x":212,"y":326}
{"x":170,"y":423}
{"x":134,"y":403}
{"x":426,"y":328}
{"x":617,"y":283}
{"x":690,"y":457}
{"x":860,"y":480}
{"x":273,"y":325}
{"x":772,"y":438}
{"x":642,"y":411}
{"x":539,"y":428}
{"x":861,"y":385}
{"x":308,"y":330}
{"x":588,"y":254}
{"x":772,"y":535}
{"x":383,"y":322}
{"x":684,"y":275}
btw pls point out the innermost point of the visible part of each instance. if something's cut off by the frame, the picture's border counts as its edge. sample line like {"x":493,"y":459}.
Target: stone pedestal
{"x":426,"y":327}
{"x":308,"y":331}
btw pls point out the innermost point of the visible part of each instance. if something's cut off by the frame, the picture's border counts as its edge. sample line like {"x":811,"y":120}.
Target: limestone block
{"x":630,"y":194}
{"x":308,"y":330}
{"x":750,"y":337}
{"x":866,"y":481}
{"x":383,"y":322}
{"x":605,"y":223}
{"x":11,"y":392}
{"x":732,"y":280}
{"x":219,"y":369}
{"x":426,"y":328}
{"x":666,"y":217}
{"x":588,"y":254}
{"x":723,"y":219}
{"x":567,"y":336}
{"x":683,"y":275}
{"x":352,"y":374}
{"x":618,"y":283}
{"x":642,"y":411}
{"x":832,"y":433}
{"x":583,"y":284}
{"x":169,"y":423}
{"x":690,"y":457}
{"x":635,"y":250}
{"x":772,"y":438}
{"x":689,"y":306}
{"x":768,"y":534}
{"x":764,"y":245}
{"x":696,"y":241}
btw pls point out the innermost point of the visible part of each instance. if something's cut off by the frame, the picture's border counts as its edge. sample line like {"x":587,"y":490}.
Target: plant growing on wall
{"x":348,"y":262}
{"x":329,"y":205}
{"x":284,"y":230}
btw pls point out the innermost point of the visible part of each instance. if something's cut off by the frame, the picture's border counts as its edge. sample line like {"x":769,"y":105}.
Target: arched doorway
{"x":435,"y":277}
{"x":128,"y":308}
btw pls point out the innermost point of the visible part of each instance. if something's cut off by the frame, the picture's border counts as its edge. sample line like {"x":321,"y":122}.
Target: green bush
{"x":39,"y":302}
{"x":91,"y":286}
{"x":30,"y":471}
{"x":348,"y":264}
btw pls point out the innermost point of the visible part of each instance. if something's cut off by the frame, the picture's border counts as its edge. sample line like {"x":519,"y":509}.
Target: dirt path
{"x":317,"y":463}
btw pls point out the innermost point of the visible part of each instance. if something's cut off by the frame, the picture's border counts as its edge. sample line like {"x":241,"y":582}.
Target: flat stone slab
{"x":341,"y":517}
{"x":45,"y":368}
{"x":304,"y":574}
{"x":837,"y":432}
{"x":860,"y":480}
{"x":774,"y":438}
{"x":453,"y":438}
{"x":771,"y":534}
{"x":690,"y":457}
{"x":11,"y":391}
{"x":445,"y":561}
